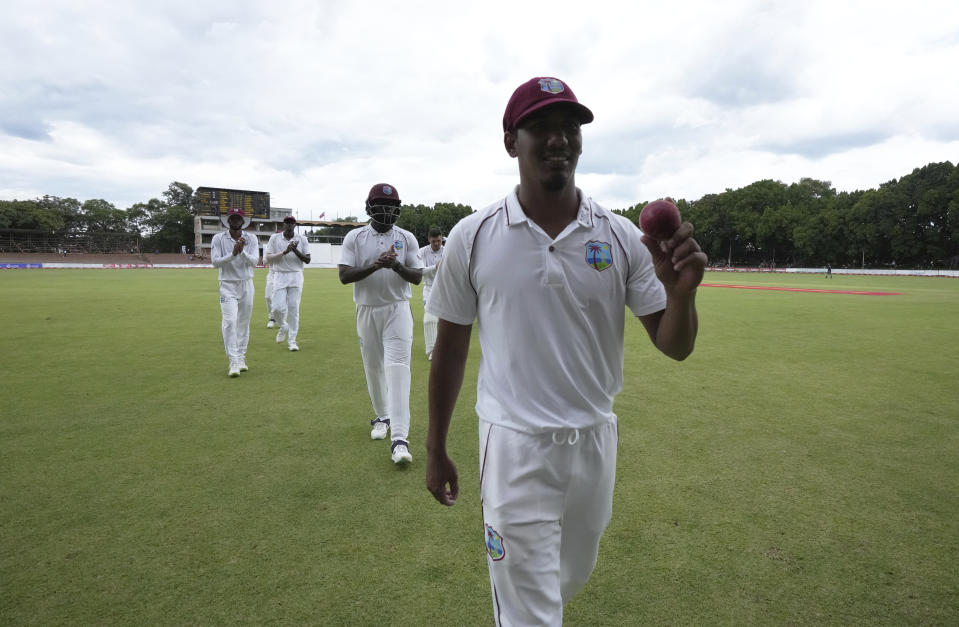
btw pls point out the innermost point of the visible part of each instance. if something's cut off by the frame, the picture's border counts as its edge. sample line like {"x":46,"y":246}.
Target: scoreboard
{"x":214,"y":201}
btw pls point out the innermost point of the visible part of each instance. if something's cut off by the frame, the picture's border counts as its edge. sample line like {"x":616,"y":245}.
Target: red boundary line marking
{"x":800,"y":289}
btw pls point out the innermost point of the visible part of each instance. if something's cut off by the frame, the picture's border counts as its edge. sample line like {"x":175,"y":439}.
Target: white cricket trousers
{"x":430,"y":323}
{"x":386,"y":344}
{"x":547,"y":499}
{"x":236,"y":305}
{"x":268,"y":294}
{"x":286,"y":309}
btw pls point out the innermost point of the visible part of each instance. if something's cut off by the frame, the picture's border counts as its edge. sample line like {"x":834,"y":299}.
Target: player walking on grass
{"x":430,"y":257}
{"x":547,"y":274}
{"x":234,"y":253}
{"x":287,"y":252}
{"x":380,"y":260}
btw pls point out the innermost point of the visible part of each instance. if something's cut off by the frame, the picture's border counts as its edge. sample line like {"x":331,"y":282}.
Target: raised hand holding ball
{"x":660,"y":219}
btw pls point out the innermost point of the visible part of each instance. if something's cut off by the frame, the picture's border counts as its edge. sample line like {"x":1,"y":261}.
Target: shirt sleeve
{"x":251,"y":251}
{"x":645,"y":294}
{"x":414,"y":260}
{"x":270,"y":247}
{"x":217,"y":258}
{"x":348,"y":251}
{"x":453,"y":297}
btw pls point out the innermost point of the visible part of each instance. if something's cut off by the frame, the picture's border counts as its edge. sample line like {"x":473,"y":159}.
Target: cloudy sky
{"x":314,"y":101}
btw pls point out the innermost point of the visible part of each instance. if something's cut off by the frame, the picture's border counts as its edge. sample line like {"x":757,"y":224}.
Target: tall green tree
{"x":100,"y":216}
{"x":926,"y":195}
{"x":166,"y":227}
{"x":50,"y":214}
{"x":419,"y":219}
{"x":179,"y":194}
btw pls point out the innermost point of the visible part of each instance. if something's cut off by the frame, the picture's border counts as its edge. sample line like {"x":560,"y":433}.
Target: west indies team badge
{"x":551,"y":85}
{"x":599,"y":256}
{"x":398,"y":245}
{"x":494,"y":544}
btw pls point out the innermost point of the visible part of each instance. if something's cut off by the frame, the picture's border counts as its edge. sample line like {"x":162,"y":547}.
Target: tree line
{"x":910,"y":222}
{"x":154,"y":225}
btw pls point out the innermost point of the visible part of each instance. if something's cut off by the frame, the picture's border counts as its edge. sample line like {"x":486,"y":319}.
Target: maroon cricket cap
{"x":235,"y":211}
{"x":290,"y":219}
{"x":537,"y":93}
{"x":382,"y":191}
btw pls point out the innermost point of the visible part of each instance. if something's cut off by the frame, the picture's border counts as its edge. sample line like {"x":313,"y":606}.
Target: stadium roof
{"x":328,"y":223}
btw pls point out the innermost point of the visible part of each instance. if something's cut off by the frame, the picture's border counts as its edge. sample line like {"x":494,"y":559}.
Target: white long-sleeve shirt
{"x":429,"y":258}
{"x":234,"y":268}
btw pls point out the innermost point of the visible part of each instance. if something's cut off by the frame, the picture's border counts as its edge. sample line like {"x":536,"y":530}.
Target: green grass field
{"x":801,"y":468}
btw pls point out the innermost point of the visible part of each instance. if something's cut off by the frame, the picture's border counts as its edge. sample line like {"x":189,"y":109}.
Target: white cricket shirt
{"x":363,"y":246}
{"x":240,"y":267}
{"x":551,"y":313}
{"x":429,"y":258}
{"x":289,"y":267}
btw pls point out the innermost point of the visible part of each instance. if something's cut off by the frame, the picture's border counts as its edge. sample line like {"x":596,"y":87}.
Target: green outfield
{"x":801,"y":468}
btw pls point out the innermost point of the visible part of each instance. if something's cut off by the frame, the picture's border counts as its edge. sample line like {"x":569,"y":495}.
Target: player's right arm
{"x":446,"y":378}
{"x":350,"y":271}
{"x":349,"y":274}
{"x":219,"y":257}
{"x":271,"y":253}
{"x":429,"y":272}
{"x":454,"y":301}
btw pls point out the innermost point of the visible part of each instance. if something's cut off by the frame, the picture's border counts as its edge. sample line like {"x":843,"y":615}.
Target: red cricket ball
{"x":660,"y":219}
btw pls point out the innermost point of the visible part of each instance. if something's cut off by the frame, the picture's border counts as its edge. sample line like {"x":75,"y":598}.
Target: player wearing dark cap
{"x":234,"y":253}
{"x":287,"y":253}
{"x":547,"y":274}
{"x":381,"y":261}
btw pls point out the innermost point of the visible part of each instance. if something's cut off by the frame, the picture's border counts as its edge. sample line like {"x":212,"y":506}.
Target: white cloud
{"x":316,"y":101}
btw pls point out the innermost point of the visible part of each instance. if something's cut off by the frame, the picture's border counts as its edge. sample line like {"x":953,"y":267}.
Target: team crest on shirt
{"x":599,"y":255}
{"x":494,"y":544}
{"x":398,"y":245}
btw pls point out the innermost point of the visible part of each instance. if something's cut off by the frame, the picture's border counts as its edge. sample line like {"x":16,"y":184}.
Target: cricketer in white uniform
{"x":235,"y":253}
{"x":287,"y":252}
{"x":381,"y":261}
{"x":547,"y":274}
{"x":430,"y":256}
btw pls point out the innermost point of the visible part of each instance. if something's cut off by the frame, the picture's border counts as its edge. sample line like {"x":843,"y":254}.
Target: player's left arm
{"x":271,"y":253}
{"x":446,"y":379}
{"x":303,"y":255}
{"x":679,"y":264}
{"x":412,"y":273}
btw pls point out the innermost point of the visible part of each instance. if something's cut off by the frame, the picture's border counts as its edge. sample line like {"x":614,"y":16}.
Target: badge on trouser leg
{"x":494,"y":544}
